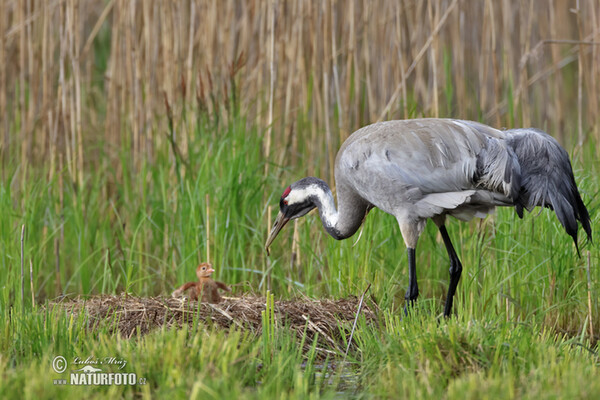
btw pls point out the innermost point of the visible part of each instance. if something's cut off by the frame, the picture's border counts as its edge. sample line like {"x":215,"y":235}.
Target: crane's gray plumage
{"x":431,"y":168}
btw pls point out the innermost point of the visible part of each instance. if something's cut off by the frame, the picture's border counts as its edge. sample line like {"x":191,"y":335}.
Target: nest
{"x":130,"y":316}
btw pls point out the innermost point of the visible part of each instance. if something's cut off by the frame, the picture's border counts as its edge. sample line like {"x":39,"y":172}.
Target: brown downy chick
{"x":206,"y":288}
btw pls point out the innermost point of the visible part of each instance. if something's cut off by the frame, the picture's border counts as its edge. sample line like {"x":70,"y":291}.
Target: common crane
{"x":430,"y":168}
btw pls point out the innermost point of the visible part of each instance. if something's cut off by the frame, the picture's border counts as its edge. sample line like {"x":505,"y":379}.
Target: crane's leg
{"x":455,"y":270}
{"x":413,"y":289}
{"x":411,"y":230}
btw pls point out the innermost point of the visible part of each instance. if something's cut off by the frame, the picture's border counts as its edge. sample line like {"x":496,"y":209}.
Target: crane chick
{"x":431,"y":168}
{"x":205,"y":289}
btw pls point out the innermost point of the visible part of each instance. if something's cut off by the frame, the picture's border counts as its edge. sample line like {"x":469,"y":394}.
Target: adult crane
{"x":429,"y":168}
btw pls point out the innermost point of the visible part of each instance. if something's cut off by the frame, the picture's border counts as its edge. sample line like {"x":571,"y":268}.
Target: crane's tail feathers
{"x":547,"y":180}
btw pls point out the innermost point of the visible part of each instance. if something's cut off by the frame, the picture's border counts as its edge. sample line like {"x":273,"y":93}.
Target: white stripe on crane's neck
{"x":321,"y":198}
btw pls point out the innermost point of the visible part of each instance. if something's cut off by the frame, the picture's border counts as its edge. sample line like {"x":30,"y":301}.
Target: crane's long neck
{"x":343,"y":222}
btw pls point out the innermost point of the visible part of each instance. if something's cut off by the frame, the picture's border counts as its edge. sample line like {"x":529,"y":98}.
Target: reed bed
{"x":82,"y":79}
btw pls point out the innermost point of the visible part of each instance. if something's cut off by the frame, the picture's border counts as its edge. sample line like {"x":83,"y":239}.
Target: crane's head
{"x":204,"y":270}
{"x":297,"y":200}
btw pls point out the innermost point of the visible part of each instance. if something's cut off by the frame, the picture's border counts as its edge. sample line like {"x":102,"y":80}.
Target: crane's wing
{"x":430,"y":166}
{"x":548,"y":179}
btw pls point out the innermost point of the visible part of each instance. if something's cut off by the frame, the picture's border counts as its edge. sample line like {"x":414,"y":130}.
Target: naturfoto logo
{"x":91,"y":372}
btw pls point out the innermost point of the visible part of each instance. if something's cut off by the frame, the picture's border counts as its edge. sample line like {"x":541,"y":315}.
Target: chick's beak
{"x":280,"y":222}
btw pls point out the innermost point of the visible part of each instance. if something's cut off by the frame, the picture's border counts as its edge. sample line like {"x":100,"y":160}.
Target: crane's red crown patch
{"x":286,"y":192}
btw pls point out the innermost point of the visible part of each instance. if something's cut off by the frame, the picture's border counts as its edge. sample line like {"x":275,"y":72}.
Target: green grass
{"x":415,"y":357}
{"x":522,"y":328}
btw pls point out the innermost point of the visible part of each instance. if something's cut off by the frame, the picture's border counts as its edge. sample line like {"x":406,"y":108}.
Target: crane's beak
{"x":280,"y":222}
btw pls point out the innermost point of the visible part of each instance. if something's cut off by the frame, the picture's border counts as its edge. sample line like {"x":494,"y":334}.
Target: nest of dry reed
{"x":128,"y":315}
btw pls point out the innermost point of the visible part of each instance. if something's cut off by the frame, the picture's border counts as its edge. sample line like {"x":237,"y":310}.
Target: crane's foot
{"x":410,"y":301}
{"x":409,"y":306}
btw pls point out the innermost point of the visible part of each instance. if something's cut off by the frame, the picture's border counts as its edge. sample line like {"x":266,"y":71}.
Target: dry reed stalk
{"x":21,"y":17}
{"x":557,"y":81}
{"x":190,"y":52}
{"x":401,"y":61}
{"x":580,"y":66}
{"x":74,"y":53}
{"x":484,"y":57}
{"x":271,"y":81}
{"x":46,"y":55}
{"x":62,"y":88}
{"x":508,"y":62}
{"x":130,"y":82}
{"x":371,"y":106}
{"x":433,"y":50}
{"x":495,"y":64}
{"x":112,"y":108}
{"x":352,"y":64}
{"x":526,"y":117}
{"x":291,"y":57}
{"x":29,"y":119}
{"x":336,"y":79}
{"x":330,"y":155}
{"x":459,"y":66}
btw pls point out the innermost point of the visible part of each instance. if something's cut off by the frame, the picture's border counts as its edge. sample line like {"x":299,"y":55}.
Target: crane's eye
{"x":285,"y":202}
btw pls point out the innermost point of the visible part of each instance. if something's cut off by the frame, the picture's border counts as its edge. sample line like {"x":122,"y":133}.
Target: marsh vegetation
{"x":141,"y":138}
